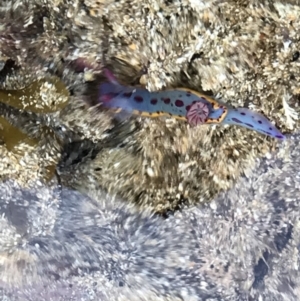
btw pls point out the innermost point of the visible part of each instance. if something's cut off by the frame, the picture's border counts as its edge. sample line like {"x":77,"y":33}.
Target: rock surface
{"x":231,"y":195}
{"x":58,"y":244}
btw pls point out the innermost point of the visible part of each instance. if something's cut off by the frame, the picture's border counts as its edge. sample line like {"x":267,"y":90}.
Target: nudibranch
{"x":180,"y":103}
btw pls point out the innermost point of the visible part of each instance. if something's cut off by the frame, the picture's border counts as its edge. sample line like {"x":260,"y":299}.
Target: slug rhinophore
{"x":181,"y":103}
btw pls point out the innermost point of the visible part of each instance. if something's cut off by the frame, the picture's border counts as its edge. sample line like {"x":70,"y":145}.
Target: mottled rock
{"x":242,"y":246}
{"x":59,"y":243}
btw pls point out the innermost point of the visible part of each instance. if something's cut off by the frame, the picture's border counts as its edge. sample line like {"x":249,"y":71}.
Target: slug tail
{"x":253,"y":121}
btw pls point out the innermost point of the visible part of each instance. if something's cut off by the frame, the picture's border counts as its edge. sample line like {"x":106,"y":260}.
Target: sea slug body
{"x":181,"y":103}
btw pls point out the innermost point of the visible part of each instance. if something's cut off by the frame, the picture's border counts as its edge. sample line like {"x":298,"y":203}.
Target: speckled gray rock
{"x":66,"y":237}
{"x":242,"y":246}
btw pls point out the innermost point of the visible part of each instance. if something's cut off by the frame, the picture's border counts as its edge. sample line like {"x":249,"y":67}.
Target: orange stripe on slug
{"x":115,"y":110}
{"x":157,"y":114}
{"x":221,"y":118}
{"x":148,"y":114}
{"x":136,"y":112}
{"x":213,"y":102}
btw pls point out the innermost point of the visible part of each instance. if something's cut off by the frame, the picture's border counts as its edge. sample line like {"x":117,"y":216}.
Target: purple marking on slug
{"x":153,"y":101}
{"x":188,"y":94}
{"x":242,"y":113}
{"x":250,"y":125}
{"x":138,"y":98}
{"x":279,"y":136}
{"x":127,"y":94}
{"x":166,"y":100}
{"x":179,"y":103}
{"x":259,"y":121}
{"x":188,"y":107}
{"x":236,"y":120}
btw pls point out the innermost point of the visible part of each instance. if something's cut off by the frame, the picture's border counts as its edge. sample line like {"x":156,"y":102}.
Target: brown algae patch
{"x":21,"y":151}
{"x":23,"y":158}
{"x":12,"y":137}
{"x":42,"y":96}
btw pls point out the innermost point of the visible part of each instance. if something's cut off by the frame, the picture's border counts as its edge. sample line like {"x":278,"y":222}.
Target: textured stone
{"x":242,"y":246}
